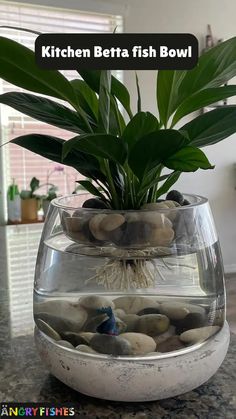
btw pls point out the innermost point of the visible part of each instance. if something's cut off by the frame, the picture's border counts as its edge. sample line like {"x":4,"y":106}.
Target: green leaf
{"x":139,"y":105}
{"x":99,"y":145}
{"x":140,"y":125}
{"x":211,"y":127}
{"x":188,"y":159}
{"x":51,"y":148}
{"x":87,"y":98}
{"x":171,"y":179}
{"x":92,"y":78}
{"x":44,"y":110}
{"x":18,"y":66}
{"x":104,"y":101}
{"x":168,"y":82}
{"x":215,"y":67}
{"x":90,"y":188}
{"x":34,"y":184}
{"x":116,"y":122}
{"x":154,"y":149}
{"x":203,"y":98}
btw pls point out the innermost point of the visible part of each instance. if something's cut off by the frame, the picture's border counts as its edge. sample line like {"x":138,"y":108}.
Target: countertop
{"x":23,"y":378}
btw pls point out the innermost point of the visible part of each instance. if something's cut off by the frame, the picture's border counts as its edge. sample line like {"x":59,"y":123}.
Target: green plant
{"x":124,"y":160}
{"x":30,"y":193}
{"x":51,"y":193}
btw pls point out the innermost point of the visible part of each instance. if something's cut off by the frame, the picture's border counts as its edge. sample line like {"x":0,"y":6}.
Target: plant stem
{"x":111,"y":184}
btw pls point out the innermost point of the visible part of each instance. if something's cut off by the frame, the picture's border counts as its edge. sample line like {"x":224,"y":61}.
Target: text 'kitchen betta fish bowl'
{"x":130,"y":305}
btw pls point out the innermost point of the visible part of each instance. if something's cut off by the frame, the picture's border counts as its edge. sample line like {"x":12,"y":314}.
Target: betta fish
{"x":108,"y":326}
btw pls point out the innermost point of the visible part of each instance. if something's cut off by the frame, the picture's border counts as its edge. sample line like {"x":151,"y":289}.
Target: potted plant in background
{"x":46,"y":199}
{"x":106,"y":258}
{"x":30,"y":202}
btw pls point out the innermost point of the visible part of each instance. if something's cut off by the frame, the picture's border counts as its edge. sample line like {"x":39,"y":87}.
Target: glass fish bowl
{"x":130,"y":305}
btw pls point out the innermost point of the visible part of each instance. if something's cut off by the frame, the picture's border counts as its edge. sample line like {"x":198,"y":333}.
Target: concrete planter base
{"x":134,"y":379}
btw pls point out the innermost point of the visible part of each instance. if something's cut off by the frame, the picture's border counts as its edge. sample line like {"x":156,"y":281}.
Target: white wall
{"x":193,"y":16}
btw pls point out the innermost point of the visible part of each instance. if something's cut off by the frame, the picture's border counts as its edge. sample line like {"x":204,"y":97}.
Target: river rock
{"x":139,"y":342}
{"x":164,"y":336}
{"x":161,"y":236}
{"x":95,"y":203}
{"x":133,"y":304}
{"x":66,"y":344}
{"x":131,"y":321}
{"x":74,"y":338}
{"x":198,"y":335}
{"x":85,"y":349}
{"x":148,"y":310}
{"x":93,"y":302}
{"x":156,"y":219}
{"x":94,"y":226}
{"x":47,"y":329}
{"x":175,"y":196}
{"x":153,"y":324}
{"x":155,"y":206}
{"x":135,"y":233}
{"x":173,"y":343}
{"x":93,"y":322}
{"x":112,"y":222}
{"x":191,"y":321}
{"x":177,"y":310}
{"x":119,"y":313}
{"x":113,"y":345}
{"x":70,"y":315}
{"x":87,"y":336}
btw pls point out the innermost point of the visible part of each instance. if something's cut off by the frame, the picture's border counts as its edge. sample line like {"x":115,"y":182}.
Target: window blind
{"x":22,"y":241}
{"x":20,"y":163}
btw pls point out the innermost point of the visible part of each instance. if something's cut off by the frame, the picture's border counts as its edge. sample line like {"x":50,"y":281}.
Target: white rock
{"x":85,"y":349}
{"x":94,"y":226}
{"x":48,"y":330}
{"x":92,"y":302}
{"x":111,"y":222}
{"x":198,"y":335}
{"x":140,"y":343}
{"x":134,"y":304}
{"x":66,"y":311}
{"x":177,"y":310}
{"x":156,"y":219}
{"x":119,"y":313}
{"x":66,"y":344}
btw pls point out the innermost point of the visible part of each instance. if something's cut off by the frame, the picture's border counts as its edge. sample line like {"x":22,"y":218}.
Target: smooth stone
{"x":175,"y":196}
{"x":177,"y":311}
{"x":173,"y":343}
{"x":199,"y":335}
{"x":140,"y":343}
{"x":111,"y":222}
{"x":161,"y":338}
{"x":131,"y":321}
{"x":133,"y":233}
{"x":58,"y":323}
{"x":119,"y":235}
{"x":171,"y":204}
{"x":133,"y":304}
{"x":94,"y":226}
{"x":153,"y":324}
{"x":69,"y":313}
{"x":74,"y":338}
{"x":65,"y":343}
{"x":112,"y":345}
{"x":120,"y":325}
{"x":73,"y":227}
{"x":119,"y":313}
{"x":155,"y":206}
{"x":95,"y":203}
{"x":85,"y":349}
{"x":185,"y":202}
{"x":92,"y":324}
{"x":161,"y":236}
{"x":87,"y":336}
{"x":47,"y":329}
{"x":148,"y":310}
{"x":155,"y":219}
{"x":191,"y":321}
{"x":93,"y":302}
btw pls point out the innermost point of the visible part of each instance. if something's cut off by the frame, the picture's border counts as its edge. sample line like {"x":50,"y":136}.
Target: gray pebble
{"x":113,"y":345}
{"x":85,"y":349}
{"x":65,"y":344}
{"x":47,"y":329}
{"x":153,"y":324}
{"x":172,"y":343}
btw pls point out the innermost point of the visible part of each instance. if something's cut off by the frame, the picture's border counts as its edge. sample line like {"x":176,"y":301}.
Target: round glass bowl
{"x":128,"y":286}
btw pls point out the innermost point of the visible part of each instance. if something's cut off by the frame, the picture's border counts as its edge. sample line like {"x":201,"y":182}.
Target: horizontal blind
{"x":20,"y":163}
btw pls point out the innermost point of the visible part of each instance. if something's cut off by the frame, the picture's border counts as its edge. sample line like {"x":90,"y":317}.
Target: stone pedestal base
{"x":134,"y":379}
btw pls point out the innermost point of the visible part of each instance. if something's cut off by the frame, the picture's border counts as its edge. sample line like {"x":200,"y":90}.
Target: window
{"x":19,"y":243}
{"x":19,"y":163}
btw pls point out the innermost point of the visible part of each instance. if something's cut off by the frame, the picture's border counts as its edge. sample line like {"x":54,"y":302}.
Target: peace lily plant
{"x":123,"y":155}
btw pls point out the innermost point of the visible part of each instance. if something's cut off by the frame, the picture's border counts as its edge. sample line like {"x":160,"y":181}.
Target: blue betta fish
{"x":108,"y":326}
